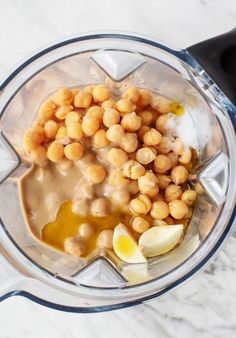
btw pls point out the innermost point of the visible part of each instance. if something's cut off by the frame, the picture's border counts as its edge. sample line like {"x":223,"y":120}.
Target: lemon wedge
{"x":136,"y":273}
{"x":125,"y":246}
{"x":160,"y":239}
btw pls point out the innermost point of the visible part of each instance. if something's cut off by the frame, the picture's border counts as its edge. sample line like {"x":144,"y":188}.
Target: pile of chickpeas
{"x":146,"y":167}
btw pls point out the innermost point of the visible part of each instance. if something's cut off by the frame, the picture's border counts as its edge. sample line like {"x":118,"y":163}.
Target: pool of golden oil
{"x":67,"y":224}
{"x":176,"y":108}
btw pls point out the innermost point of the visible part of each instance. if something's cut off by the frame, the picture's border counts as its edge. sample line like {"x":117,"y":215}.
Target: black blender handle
{"x":217,"y":56}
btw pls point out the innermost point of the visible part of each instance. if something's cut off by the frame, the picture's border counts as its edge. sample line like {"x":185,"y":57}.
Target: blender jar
{"x":55,"y":279}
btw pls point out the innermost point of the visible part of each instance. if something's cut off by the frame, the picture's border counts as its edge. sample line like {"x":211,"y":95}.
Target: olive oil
{"x":176,"y":108}
{"x":67,"y":224}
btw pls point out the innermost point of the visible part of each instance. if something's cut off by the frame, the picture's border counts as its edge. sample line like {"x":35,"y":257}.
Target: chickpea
{"x":163,"y":181}
{"x":55,"y":152}
{"x":74,"y":130}
{"x":152,"y":137}
{"x":109,"y":104}
{"x":133,"y":187}
{"x":105,"y":239}
{"x":115,"y":133}
{"x":132,"y":93}
{"x":133,"y":169}
{"x":174,"y":159}
{"x":145,"y":155}
{"x":173,"y":192}
{"x":162,"y":104}
{"x":61,"y":133}
{"x":131,"y":122}
{"x":100,"y":207}
{"x":142,"y":131}
{"x":89,"y":89}
{"x":141,"y":204}
{"x":101,"y":93}
{"x":147,"y":182}
{"x":145,"y":98}
{"x":110,"y":117}
{"x":155,"y":114}
{"x":40,"y":121}
{"x":39,"y":130}
{"x":95,"y":173}
{"x":87,"y":191}
{"x":90,"y":125}
{"x":116,"y":157}
{"x":86,"y":230}
{"x":117,"y":179}
{"x":31,"y":140}
{"x":64,"y":141}
{"x":96,"y":112}
{"x":152,"y":193}
{"x":82,"y":99}
{"x":39,"y":156}
{"x":100,"y":139}
{"x":120,"y":196}
{"x":73,"y":116}
{"x":75,"y":246}
{"x":47,"y":109}
{"x":62,"y":111}
{"x":75,"y":90}
{"x":189,"y":214}
{"x":159,"y":222}
{"x":74,"y":151}
{"x":146,"y":116}
{"x":179,"y":174}
{"x":161,"y":164}
{"x":129,"y":142}
{"x":160,"y":210}
{"x":178,"y":209}
{"x":178,"y":147}
{"x":50,"y":129}
{"x":185,"y":158}
{"x":199,"y":188}
{"x":162,"y":123}
{"x":125,"y":106}
{"x":81,"y":207}
{"x":140,"y":224}
{"x":62,"y":97}
{"x":189,"y":197}
{"x":165,"y":146}
{"x":153,"y":149}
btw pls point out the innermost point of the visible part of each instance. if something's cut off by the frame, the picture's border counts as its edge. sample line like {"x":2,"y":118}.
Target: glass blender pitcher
{"x":119,"y":59}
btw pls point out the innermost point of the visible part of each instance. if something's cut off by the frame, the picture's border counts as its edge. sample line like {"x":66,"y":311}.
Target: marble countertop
{"x":206,"y":305}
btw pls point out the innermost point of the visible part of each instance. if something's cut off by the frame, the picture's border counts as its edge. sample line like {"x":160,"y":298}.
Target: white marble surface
{"x":205,"y":306}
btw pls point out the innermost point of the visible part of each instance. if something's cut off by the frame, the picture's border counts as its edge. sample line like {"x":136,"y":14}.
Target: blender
{"x":203,"y":79}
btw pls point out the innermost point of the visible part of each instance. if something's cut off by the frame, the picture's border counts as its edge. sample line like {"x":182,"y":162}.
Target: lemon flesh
{"x":125,"y":246}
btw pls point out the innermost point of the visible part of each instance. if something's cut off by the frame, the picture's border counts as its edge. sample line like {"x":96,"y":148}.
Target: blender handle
{"x":217,"y":56}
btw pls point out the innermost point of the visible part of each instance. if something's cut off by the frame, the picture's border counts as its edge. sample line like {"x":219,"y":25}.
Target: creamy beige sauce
{"x":43,"y":190}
